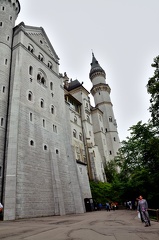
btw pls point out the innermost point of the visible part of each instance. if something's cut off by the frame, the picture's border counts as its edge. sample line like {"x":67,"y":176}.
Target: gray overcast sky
{"x":124,"y":36}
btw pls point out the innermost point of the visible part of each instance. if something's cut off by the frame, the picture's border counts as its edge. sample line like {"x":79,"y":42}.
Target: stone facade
{"x":52,"y":141}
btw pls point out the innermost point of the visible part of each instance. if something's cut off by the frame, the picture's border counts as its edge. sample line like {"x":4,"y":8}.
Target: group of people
{"x":111,"y":206}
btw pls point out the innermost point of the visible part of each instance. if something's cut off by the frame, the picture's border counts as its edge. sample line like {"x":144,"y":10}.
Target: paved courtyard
{"x":99,"y":225}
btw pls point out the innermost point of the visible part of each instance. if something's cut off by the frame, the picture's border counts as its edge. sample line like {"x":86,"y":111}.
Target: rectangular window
{"x":3,"y":89}
{"x":6,"y":61}
{"x":2,"y":122}
{"x":31,"y":117}
{"x":44,"y":123}
{"x":1,"y":24}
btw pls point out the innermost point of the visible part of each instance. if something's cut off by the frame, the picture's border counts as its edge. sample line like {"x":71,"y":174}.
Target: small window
{"x":30,"y":96}
{"x":88,"y":119}
{"x":110,"y":152}
{"x":106,"y":130}
{"x":43,"y":81}
{"x":41,"y":57}
{"x":1,"y":24}
{"x":8,"y":38}
{"x":42,"y":103}
{"x":44,"y":123}
{"x":31,"y":143}
{"x":30,"y":117}
{"x":41,"y":41}
{"x":94,"y":153}
{"x":3,"y":8}
{"x":52,"y":109}
{"x":30,"y":48}
{"x":74,"y":133}
{"x":2,"y":122}
{"x":3,"y":89}
{"x":57,"y":151}
{"x":75,"y":119}
{"x":6,"y":61}
{"x":110,"y":119}
{"x":10,"y":18}
{"x":45,"y":147}
{"x":49,"y":65}
{"x":38,"y":77}
{"x":30,"y":70}
{"x":114,"y":139}
{"x":54,"y":128}
{"x":51,"y":85}
{"x":80,"y":136}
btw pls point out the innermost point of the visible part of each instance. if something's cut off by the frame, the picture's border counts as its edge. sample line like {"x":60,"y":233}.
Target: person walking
{"x":143,"y":209}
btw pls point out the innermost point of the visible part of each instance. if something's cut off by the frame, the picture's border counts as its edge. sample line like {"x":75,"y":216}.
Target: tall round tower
{"x":101,"y":94}
{"x":9,"y":10}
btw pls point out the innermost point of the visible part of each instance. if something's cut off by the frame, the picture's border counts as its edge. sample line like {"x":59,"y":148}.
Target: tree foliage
{"x":139,"y":164}
{"x":153,"y":89}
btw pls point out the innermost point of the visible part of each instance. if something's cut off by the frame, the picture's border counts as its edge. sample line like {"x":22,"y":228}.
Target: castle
{"x":52,"y":141}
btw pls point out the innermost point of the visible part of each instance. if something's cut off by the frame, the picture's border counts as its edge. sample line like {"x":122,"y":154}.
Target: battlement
{"x":14,"y":3}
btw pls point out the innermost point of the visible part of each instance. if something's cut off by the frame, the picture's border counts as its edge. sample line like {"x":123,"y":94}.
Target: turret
{"x":101,"y":93}
{"x":9,"y":10}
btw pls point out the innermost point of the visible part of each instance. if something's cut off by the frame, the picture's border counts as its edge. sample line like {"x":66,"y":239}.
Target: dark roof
{"x":95,"y":67}
{"x":74,"y":84}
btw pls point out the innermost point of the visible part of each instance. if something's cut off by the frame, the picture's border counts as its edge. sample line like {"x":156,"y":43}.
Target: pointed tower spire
{"x":96,"y":68}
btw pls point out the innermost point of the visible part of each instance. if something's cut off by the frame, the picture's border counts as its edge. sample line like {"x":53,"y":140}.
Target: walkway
{"x":99,"y":225}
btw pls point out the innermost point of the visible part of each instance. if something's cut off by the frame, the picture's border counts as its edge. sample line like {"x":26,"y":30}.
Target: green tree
{"x":153,"y":89}
{"x":138,"y":159}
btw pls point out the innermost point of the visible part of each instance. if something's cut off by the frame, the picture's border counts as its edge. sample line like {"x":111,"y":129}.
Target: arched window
{"x":2,"y":122}
{"x":30,"y":70}
{"x":51,"y":85}
{"x":110,"y":119}
{"x":80,"y":136}
{"x":38,"y":77}
{"x":41,"y":78}
{"x":45,"y":147}
{"x":30,"y":48}
{"x":88,"y":119}
{"x":42,"y":103}
{"x":52,"y":109}
{"x":75,"y":119}
{"x":3,"y":89}
{"x":30,"y":117}
{"x":44,"y":123}
{"x":41,"y":57}
{"x":74,"y":133}
{"x":31,"y":143}
{"x":30,"y":96}
{"x":49,"y":65}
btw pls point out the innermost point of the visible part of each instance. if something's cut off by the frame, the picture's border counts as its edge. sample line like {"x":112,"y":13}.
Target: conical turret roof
{"x":95,"y":68}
